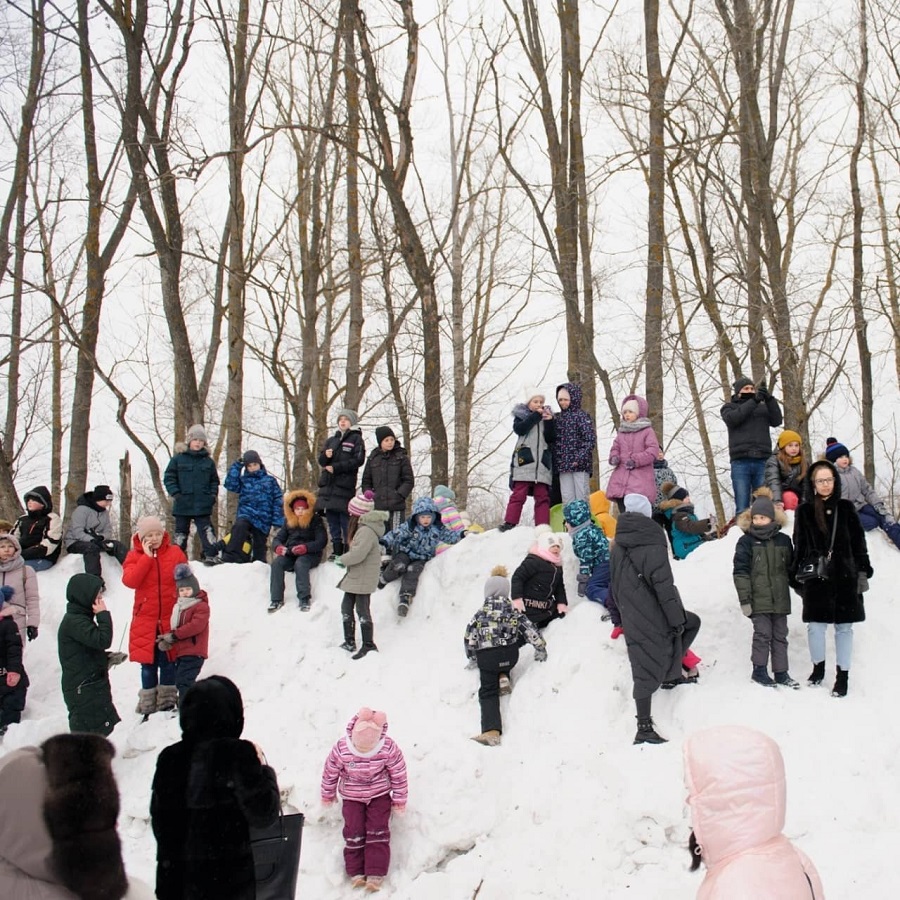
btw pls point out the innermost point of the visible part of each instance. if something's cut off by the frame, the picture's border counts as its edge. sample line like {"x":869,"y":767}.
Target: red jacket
{"x":153,"y":580}
{"x":193,"y":630}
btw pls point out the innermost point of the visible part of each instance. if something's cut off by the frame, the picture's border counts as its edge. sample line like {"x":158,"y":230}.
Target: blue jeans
{"x":338,"y":523}
{"x":40,"y":565}
{"x":160,"y":671}
{"x":746,"y":476}
{"x":597,"y":588}
{"x":843,"y":642}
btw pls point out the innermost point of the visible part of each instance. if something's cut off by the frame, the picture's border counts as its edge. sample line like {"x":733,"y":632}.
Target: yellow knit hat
{"x":788,"y":437}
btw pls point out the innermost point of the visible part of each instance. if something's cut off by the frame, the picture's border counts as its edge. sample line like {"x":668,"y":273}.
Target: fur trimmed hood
{"x":303,"y":520}
{"x":744,"y":520}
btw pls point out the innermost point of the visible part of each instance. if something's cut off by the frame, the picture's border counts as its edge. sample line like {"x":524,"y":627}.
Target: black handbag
{"x":817,"y":566}
{"x":276,"y":857}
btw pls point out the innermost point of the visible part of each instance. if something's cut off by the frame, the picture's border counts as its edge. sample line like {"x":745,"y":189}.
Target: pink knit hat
{"x":361,"y":504}
{"x":367,"y":729}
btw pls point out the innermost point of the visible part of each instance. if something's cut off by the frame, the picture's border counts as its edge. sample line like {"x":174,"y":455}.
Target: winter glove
{"x":762,"y":394}
{"x":582,"y":578}
{"x":109,"y":546}
{"x":299,"y":549}
{"x":32,"y":632}
{"x":677,"y":631}
{"x":165,"y":642}
{"x":519,"y":604}
{"x":280,"y":550}
{"x":614,"y":460}
{"x":862,"y":583}
{"x":747,"y":609}
{"x":12,"y":679}
{"x":116,"y":658}
{"x":97,"y":540}
{"x":540,"y":655}
{"x":630,"y":464}
{"x":617,"y":632}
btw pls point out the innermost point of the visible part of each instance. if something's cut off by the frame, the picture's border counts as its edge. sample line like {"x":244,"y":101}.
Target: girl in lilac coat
{"x":633,"y":452}
{"x":368,"y":770}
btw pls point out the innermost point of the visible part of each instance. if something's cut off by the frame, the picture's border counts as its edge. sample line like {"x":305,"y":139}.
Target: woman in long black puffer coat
{"x":838,"y":599}
{"x":208,"y":790}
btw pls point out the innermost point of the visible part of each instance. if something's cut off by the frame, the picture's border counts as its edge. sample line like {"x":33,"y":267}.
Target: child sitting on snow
{"x":688,"y":532}
{"x":493,"y":638}
{"x":455,"y":519}
{"x":537,"y":584}
{"x":592,"y":549}
{"x":13,"y":680}
{"x":412,"y":545}
{"x":369,"y":772}
{"x":785,"y":471}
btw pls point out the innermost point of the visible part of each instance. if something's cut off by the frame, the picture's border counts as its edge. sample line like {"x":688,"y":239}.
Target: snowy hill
{"x":566,"y":807}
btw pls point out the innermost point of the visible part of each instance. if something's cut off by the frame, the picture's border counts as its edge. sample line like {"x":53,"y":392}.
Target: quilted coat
{"x":588,"y":540}
{"x":418,"y":542}
{"x":532,"y":459}
{"x":39,"y":531}
{"x":348,"y":454}
{"x":576,"y":437}
{"x":192,"y":630}
{"x":191,"y":478}
{"x":87,"y":520}
{"x":25,"y":601}
{"x":389,"y":474}
{"x":763,"y":566}
{"x":363,"y":558}
{"x":260,"y":496}
{"x":635,"y":441}
{"x":307,"y":528}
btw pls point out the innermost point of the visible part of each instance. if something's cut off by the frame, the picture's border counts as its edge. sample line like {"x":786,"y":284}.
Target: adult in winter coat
{"x":208,"y":789}
{"x":58,"y":838}
{"x":362,"y":560}
{"x":13,"y":678}
{"x":658,"y":629}
{"x":538,"y":588}
{"x":837,"y":599}
{"x":25,"y":601}
{"x":85,"y":634}
{"x":785,"y":471}
{"x":749,"y":415}
{"x":573,"y":448}
{"x":260,"y":508}
{"x":149,"y":569}
{"x":298,"y":548}
{"x":39,"y":531}
{"x":389,"y":474}
{"x":736,"y":793}
{"x":492,"y":640}
{"x":90,"y":530}
{"x":634,"y":451}
{"x":870,"y":507}
{"x":192,"y":481}
{"x":532,"y":459}
{"x":341,"y":459}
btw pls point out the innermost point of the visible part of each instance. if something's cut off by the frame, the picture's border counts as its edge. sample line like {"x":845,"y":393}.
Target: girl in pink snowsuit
{"x":633,"y":452}
{"x":368,"y":770}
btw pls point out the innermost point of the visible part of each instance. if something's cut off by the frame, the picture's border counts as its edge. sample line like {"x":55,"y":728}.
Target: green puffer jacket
{"x":82,"y":646}
{"x":192,"y":480}
{"x":363,"y":559}
{"x":762,"y":567}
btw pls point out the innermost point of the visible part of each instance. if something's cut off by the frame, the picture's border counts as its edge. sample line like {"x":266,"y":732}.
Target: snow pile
{"x":566,"y":807}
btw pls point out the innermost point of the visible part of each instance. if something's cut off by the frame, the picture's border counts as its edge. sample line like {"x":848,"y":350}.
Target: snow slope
{"x":567,"y":807}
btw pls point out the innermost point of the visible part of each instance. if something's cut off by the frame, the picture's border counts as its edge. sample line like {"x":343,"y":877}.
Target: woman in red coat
{"x":149,"y":568}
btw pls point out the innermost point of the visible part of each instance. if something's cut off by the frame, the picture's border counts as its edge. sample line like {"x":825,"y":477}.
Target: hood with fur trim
{"x":745,"y":520}
{"x":303,"y":520}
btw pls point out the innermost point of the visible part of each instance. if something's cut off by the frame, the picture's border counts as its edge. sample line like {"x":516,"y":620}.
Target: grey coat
{"x":363,"y":559}
{"x":86,"y":518}
{"x":858,"y":491}
{"x":533,"y":457}
{"x":648,"y":601}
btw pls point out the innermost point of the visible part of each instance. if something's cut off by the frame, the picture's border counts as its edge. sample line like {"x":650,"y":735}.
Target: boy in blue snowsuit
{"x":592,"y":549}
{"x":412,"y":545}
{"x":260,"y":508}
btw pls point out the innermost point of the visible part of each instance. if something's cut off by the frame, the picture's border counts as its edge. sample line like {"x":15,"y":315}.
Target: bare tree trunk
{"x":9,"y":499}
{"x":125,"y":500}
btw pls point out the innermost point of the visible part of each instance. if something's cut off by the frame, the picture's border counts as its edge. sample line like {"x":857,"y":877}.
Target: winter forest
{"x":252,"y":214}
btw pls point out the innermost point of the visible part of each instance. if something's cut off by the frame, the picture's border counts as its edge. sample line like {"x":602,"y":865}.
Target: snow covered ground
{"x":566,"y":807}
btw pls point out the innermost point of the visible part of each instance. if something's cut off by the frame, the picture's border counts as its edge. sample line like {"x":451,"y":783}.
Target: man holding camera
{"x":90,"y":530}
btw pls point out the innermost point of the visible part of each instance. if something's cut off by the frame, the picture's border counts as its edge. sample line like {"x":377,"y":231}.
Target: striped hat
{"x":361,"y":504}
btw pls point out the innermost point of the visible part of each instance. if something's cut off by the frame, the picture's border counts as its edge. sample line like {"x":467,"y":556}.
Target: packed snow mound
{"x":566,"y":807}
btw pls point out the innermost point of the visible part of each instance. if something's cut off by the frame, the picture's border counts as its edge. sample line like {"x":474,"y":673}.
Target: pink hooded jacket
{"x":736,"y":792}
{"x":642,"y":447}
{"x":364,"y":776}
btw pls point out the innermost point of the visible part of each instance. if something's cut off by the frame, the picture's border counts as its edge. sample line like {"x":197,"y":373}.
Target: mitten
{"x":747,"y":609}
{"x":32,"y":632}
{"x":12,"y":679}
{"x":109,"y":546}
{"x":280,"y":550}
{"x":299,"y":549}
{"x":165,"y":641}
{"x":614,"y":460}
{"x":540,"y":655}
{"x":617,"y":632}
{"x":582,"y":578}
{"x":116,"y":658}
{"x":862,"y":583}
{"x":630,"y":464}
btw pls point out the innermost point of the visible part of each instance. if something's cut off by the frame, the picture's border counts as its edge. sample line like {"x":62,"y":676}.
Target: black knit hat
{"x":741,"y":383}
{"x":102,"y":492}
{"x":382,"y":432}
{"x":251,"y":457}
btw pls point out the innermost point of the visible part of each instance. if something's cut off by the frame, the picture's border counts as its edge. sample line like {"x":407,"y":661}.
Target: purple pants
{"x":520,"y":492}
{"x":367,"y":836}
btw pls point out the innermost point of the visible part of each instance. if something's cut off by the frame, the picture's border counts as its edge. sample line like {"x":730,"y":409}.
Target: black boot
{"x":840,"y":683}
{"x":403,"y":606}
{"x":337,"y":549}
{"x":349,"y":636}
{"x":507,"y":526}
{"x":817,"y":676}
{"x":646,"y":733}
{"x":368,"y":644}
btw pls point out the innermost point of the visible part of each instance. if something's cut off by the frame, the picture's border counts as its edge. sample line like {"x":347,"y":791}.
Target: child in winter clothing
{"x":362,"y":560}
{"x":455,"y":519}
{"x":633,"y":452}
{"x":785,"y":471}
{"x":871,"y":509}
{"x":90,"y":530}
{"x":298,"y":548}
{"x":662,"y":473}
{"x":532,"y":459}
{"x":39,"y":531}
{"x":592,"y":549}
{"x":763,"y":562}
{"x":600,"y":513}
{"x":260,"y":509}
{"x":13,"y":679}
{"x":492,"y":641}
{"x":193,"y":482}
{"x":688,"y":532}
{"x":369,"y":772}
{"x":537,"y":584}
{"x":25,"y":601}
{"x":187,"y":643}
{"x":389,"y":474}
{"x":341,"y":459}
{"x":573,"y":448}
{"x":412,"y":545}
{"x":85,"y":634}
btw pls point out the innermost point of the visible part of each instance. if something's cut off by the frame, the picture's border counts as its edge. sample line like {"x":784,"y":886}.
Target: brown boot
{"x":488,"y":738}
{"x":146,"y":701}
{"x":167,"y":698}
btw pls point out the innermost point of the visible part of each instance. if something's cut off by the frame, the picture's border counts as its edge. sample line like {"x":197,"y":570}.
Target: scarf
{"x":638,"y":424}
{"x":12,"y":564}
{"x":764,"y":532}
{"x":181,"y":605}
